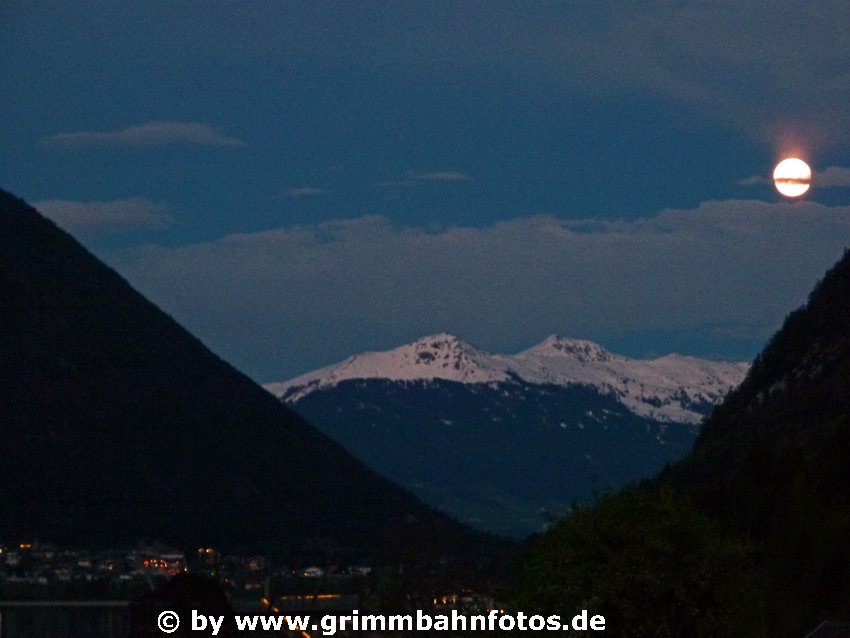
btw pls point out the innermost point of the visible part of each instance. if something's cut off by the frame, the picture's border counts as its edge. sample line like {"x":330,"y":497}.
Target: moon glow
{"x":792,"y":177}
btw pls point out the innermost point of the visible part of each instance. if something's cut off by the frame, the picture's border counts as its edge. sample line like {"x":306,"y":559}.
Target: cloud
{"x":754,"y":180}
{"x":832,"y":176}
{"x":397,"y":183}
{"x":776,"y":71}
{"x":304,"y":191}
{"x":88,"y":219}
{"x":144,"y":135}
{"x":775,"y":74}
{"x":412,"y":178}
{"x":278,"y":302}
{"x":439,"y":176}
{"x":771,"y":73}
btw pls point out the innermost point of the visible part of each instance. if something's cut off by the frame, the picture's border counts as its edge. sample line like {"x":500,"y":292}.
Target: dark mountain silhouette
{"x":117,"y":425}
{"x":772,"y":461}
{"x":749,"y":535}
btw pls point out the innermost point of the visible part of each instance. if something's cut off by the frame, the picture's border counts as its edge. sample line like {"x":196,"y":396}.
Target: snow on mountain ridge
{"x":672,"y":388}
{"x":577,"y":348}
{"x":439,"y":356}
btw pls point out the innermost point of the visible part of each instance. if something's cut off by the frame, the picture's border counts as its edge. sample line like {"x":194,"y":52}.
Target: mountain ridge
{"x":505,"y":442}
{"x":118,"y":425}
{"x":770,"y":463}
{"x":666,"y":388}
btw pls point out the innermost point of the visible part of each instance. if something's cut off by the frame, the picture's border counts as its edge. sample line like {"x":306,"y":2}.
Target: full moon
{"x":792,"y":176}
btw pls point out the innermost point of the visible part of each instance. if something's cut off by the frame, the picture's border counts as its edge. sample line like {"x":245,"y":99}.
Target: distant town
{"x":44,"y":571}
{"x":43,"y":568}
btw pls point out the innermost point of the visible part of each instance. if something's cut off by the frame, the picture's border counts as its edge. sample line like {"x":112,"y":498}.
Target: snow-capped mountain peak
{"x":672,"y":388}
{"x":578,"y":349}
{"x":442,"y":350}
{"x":438,"y":356}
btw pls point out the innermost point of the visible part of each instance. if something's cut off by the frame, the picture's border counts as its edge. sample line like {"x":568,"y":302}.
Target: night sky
{"x":296,"y":182}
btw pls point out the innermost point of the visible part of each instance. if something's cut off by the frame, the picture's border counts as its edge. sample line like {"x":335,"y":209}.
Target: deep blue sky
{"x":299,"y":181}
